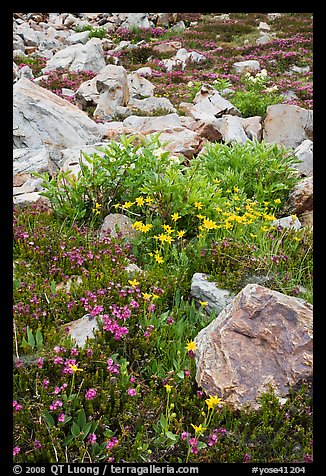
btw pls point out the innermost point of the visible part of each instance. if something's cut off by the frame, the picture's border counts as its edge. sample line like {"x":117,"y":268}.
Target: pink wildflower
{"x":90,"y":394}
{"x":16,"y":450}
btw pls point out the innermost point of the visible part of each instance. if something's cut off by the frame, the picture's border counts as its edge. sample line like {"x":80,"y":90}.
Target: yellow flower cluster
{"x":213,"y":401}
{"x":138,"y":225}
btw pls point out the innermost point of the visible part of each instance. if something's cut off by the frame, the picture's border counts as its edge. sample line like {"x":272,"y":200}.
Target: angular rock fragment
{"x":263,"y":338}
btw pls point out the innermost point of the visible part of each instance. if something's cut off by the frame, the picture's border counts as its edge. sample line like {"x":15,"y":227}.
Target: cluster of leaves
{"x":99,"y":32}
{"x":256,"y":96}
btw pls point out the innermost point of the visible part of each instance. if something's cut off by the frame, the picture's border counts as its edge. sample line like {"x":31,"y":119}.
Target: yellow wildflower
{"x":96,"y":209}
{"x":159,"y":258}
{"x":198,"y":205}
{"x":140,"y":201}
{"x":168,"y":229}
{"x":228,"y":225}
{"x":236,"y":197}
{"x":269,"y":217}
{"x":198,"y":429}
{"x":277,"y":200}
{"x":148,"y":200}
{"x":133,"y":282}
{"x":137,"y":225}
{"x":209,"y":224}
{"x":191,"y":346}
{"x":74,"y":368}
{"x":264,"y":228}
{"x":155,"y":296}
{"x":161,"y":237}
{"x":146,"y":296}
{"x":201,"y":217}
{"x":212,"y":401}
{"x":236,"y":189}
{"x":146,"y":228}
{"x":217,"y":181}
{"x":175,"y":216}
{"x":181,"y":233}
{"x":218,"y":209}
{"x":203,"y":303}
{"x":168,"y":387}
{"x":127,"y":205}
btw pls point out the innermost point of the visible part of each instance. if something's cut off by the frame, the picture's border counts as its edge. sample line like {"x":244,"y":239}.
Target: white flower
{"x":271,"y":89}
{"x":158,"y":152}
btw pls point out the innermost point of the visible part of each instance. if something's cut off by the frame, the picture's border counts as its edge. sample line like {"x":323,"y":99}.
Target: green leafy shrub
{"x":264,"y":172}
{"x":256,"y":96}
{"x":94,"y":32}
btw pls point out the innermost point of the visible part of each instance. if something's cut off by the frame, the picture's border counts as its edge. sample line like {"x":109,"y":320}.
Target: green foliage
{"x":94,"y":32}
{"x":254,"y":99}
{"x":263,"y":171}
{"x":35,"y":64}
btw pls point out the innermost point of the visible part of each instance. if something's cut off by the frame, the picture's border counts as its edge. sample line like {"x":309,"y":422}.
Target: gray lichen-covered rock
{"x":115,"y":223}
{"x":232,"y":130}
{"x":263,"y":338}
{"x":139,"y":87}
{"x":112,"y":86}
{"x":43,"y":119}
{"x":151,"y":105}
{"x":207,"y":291}
{"x":288,"y":125}
{"x":250,"y":66}
{"x":291,"y":222}
{"x":209,"y":102}
{"x":82,"y":329}
{"x":158,"y":123}
{"x":304,"y":152}
{"x":301,"y":196}
{"x":25,"y":199}
{"x":79,"y":57}
{"x":31,"y":160}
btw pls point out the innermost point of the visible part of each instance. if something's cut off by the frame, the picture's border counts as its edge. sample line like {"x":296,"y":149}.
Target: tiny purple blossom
{"x":16,"y":406}
{"x":16,"y":450}
{"x":112,"y":443}
{"x":246,"y":457}
{"x":91,"y":438}
{"x":37,"y":444}
{"x":61,"y":417}
{"x":90,"y":394}
{"x":184,"y":435}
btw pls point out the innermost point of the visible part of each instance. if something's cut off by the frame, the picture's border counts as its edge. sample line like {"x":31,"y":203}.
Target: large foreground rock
{"x":263,"y":338}
{"x":288,"y":125}
{"x":43,"y":119}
